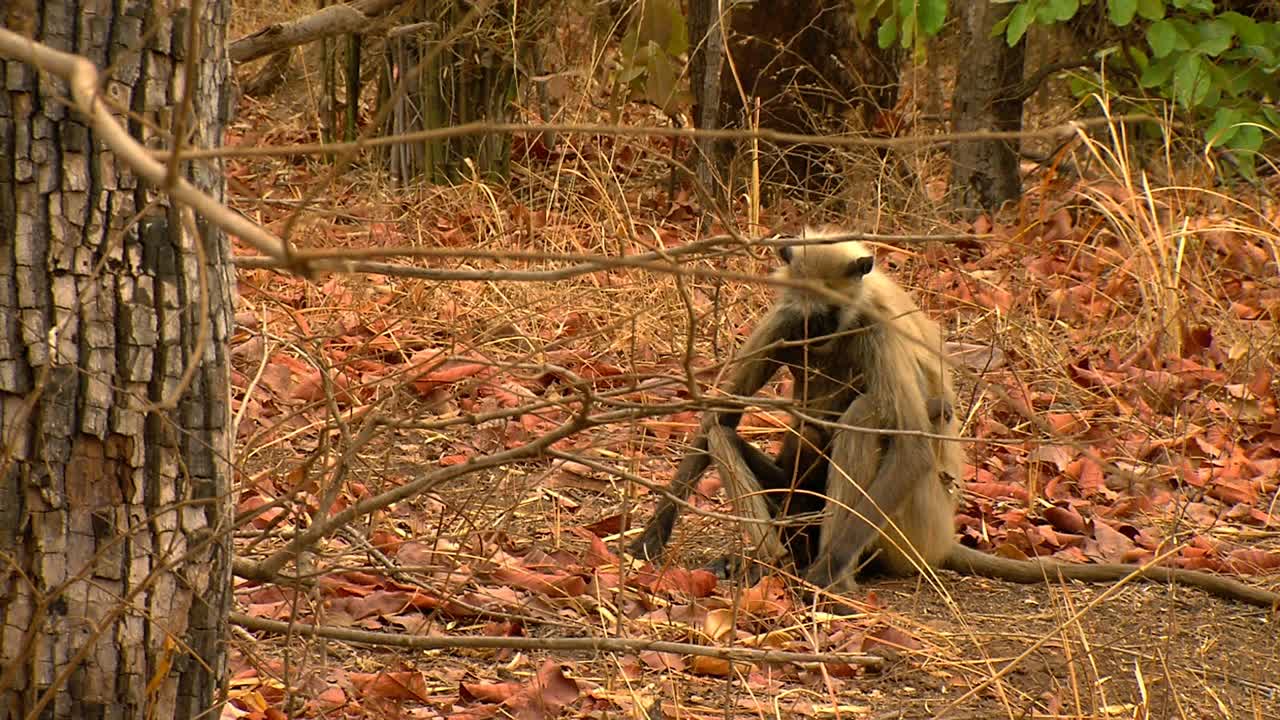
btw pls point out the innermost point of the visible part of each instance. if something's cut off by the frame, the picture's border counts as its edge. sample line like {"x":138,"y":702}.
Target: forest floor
{"x":1118,"y":340}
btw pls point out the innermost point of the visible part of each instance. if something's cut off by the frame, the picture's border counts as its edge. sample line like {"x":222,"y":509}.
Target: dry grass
{"x":1158,"y":274}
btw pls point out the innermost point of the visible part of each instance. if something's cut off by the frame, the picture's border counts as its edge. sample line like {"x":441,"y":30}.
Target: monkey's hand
{"x":940,"y":410}
{"x":823,"y":572}
{"x":650,"y":544}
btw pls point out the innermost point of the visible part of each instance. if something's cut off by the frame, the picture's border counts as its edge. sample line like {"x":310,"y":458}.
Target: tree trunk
{"x":984,"y":173}
{"x":473,"y":78}
{"x":115,"y":546}
{"x":811,"y":72}
{"x":711,"y":157}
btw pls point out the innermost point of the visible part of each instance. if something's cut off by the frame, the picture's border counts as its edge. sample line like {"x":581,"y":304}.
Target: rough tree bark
{"x":705,"y":60}
{"x":114,"y":514}
{"x":984,"y":173}
{"x":810,"y":70}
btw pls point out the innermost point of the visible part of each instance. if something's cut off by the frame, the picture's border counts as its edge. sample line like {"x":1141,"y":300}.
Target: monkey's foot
{"x":649,"y":546}
{"x":730,"y":567}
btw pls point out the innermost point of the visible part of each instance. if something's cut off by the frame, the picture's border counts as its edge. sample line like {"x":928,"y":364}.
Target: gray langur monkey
{"x":873,"y":361}
{"x":851,"y":365}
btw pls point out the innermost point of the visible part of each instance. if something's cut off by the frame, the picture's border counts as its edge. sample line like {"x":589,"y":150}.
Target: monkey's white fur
{"x":877,"y":364}
{"x":887,"y":491}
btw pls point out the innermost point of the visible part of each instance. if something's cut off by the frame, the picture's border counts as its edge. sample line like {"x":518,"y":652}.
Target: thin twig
{"x":589,"y":644}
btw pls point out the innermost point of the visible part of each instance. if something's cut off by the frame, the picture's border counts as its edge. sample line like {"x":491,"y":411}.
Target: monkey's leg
{"x":656,"y":534}
{"x":729,"y":452}
{"x":756,"y":364}
{"x":799,"y":467}
{"x":870,"y":478}
{"x":803,"y":461}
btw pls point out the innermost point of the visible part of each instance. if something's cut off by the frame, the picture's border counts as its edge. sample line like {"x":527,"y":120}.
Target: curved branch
{"x":83,"y":79}
{"x":596,"y":644}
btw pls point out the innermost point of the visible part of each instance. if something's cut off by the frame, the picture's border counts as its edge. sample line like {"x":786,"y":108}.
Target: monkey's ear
{"x":858,"y":268}
{"x":786,"y":254}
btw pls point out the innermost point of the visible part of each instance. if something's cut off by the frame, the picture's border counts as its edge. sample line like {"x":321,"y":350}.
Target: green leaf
{"x":998,"y":27}
{"x":863,"y":13}
{"x":1246,"y":28}
{"x":1151,"y":9}
{"x":1250,"y":81}
{"x":1058,"y":11}
{"x":1121,"y":11}
{"x":662,"y":81}
{"x":907,"y":31}
{"x":1223,"y":127}
{"x":1138,"y":57}
{"x":1261,"y":54}
{"x":1247,"y":164}
{"x":1158,"y":72}
{"x":887,"y":33}
{"x":933,"y":14}
{"x":1272,"y":117}
{"x":1190,"y":80}
{"x":1249,"y":139}
{"x":662,"y":22}
{"x":1215,"y":37}
{"x":1019,"y":20}
{"x":1212,"y":97}
{"x":1081,"y":86}
{"x":1162,"y":37}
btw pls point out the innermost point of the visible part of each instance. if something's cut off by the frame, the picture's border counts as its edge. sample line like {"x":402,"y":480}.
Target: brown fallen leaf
{"x":557,"y":586}
{"x":889,"y":642}
{"x":662,"y":660}
{"x":1252,"y":562}
{"x":548,"y":694}
{"x":398,"y":685}
{"x":703,"y":665}
{"x":695,"y":583}
{"x":1112,"y":545}
{"x":1066,"y":519}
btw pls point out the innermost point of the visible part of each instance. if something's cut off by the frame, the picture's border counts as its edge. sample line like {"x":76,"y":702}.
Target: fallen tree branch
{"x":593,"y":644}
{"x":349,"y":17}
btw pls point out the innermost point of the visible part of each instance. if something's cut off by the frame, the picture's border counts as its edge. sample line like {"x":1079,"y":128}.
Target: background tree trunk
{"x":114,"y":520}
{"x":984,"y":173}
{"x":473,"y":78}
{"x":706,"y":58}
{"x":811,"y":72}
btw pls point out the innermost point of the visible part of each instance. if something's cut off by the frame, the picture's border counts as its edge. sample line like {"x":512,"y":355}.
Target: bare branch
{"x":83,"y":79}
{"x":596,"y":644}
{"x":351,"y":17}
{"x":1066,"y":129}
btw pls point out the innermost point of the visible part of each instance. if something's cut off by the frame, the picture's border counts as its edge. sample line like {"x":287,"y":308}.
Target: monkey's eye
{"x":859,"y":267}
{"x":785,"y":253}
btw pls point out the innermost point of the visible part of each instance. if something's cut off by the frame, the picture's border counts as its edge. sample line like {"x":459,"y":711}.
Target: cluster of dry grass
{"x":1103,"y":292}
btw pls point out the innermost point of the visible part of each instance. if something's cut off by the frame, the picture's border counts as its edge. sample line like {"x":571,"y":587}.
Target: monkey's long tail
{"x":968,"y":561}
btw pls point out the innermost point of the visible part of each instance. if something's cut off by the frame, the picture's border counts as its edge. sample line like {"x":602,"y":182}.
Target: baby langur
{"x":871,"y":362}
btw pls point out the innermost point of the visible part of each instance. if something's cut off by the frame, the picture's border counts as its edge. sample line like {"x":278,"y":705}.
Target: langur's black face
{"x":838,"y":267}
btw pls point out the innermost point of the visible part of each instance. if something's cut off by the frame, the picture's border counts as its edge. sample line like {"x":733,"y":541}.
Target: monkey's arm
{"x":871,"y":475}
{"x":755,"y":365}
{"x":968,"y":561}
